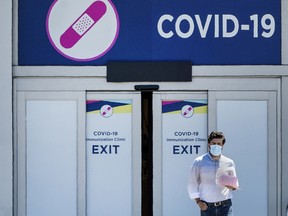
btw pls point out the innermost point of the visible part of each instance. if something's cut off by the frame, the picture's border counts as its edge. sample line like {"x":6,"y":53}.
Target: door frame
{"x":20,"y":146}
{"x":80,"y":97}
{"x":205,"y":78}
{"x":135,"y":98}
{"x":273,"y":144}
{"x":157,"y":140}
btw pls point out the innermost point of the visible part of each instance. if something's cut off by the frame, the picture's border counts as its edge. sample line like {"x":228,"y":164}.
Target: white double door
{"x":82,"y":154}
{"x":117,"y":127}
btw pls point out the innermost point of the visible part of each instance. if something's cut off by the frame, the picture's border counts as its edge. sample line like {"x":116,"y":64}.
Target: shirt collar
{"x":211,"y":158}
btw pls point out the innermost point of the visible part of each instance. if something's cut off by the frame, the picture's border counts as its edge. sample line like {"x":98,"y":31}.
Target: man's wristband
{"x":197,"y":201}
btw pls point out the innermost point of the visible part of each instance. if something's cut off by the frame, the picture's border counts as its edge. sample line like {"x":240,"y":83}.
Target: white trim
{"x":157,"y":142}
{"x":6,"y":133}
{"x":284,"y":27}
{"x":59,"y":71}
{"x":284,"y":150}
{"x":100,"y":84}
{"x":15,"y":32}
{"x":240,"y":71}
{"x":157,"y":156}
{"x":20,"y":147}
{"x":274,"y":165}
{"x":81,"y":152}
{"x":136,"y":153}
{"x":197,"y":71}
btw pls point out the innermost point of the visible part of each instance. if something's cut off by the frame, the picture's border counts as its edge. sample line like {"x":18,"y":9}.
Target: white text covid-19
{"x":225,"y":26}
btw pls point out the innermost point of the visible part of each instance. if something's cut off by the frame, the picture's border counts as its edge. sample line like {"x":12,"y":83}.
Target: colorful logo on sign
{"x":187,"y":108}
{"x":106,"y":111}
{"x":187,"y":111}
{"x":82,"y":30}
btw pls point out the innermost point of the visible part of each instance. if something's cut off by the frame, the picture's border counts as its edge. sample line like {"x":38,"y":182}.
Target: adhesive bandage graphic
{"x":82,"y":30}
{"x":187,"y":111}
{"x":83,"y":24}
{"x":106,"y":111}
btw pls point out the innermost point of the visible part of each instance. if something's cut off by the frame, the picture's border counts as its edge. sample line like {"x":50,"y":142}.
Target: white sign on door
{"x":184,"y":137}
{"x":109,"y":157}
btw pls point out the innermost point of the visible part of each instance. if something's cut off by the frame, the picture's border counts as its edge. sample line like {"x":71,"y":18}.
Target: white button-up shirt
{"x":203,"y":179}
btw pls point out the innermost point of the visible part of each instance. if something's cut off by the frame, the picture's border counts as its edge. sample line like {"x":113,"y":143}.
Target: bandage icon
{"x":187,"y":111}
{"x":83,"y":24}
{"x":106,"y":111}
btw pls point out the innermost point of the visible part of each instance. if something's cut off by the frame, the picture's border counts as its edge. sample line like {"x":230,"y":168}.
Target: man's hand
{"x":202,"y":205}
{"x":230,"y":187}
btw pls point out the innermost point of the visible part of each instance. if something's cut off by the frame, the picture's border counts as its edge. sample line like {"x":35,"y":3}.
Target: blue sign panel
{"x":206,"y":32}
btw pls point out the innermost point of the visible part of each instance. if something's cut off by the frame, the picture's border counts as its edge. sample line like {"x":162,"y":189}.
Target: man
{"x":213,"y":178}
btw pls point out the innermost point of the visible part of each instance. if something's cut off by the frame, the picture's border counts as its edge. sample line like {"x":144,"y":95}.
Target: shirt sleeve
{"x":193,"y":181}
{"x":234,"y":174}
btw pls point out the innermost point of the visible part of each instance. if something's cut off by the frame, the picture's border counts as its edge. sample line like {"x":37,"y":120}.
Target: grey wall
{"x":6,"y":108}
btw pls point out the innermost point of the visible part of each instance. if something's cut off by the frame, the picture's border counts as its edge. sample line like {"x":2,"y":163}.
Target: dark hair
{"x":216,"y":135}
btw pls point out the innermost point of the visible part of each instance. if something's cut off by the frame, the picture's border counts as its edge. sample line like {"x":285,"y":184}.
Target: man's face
{"x":216,"y":141}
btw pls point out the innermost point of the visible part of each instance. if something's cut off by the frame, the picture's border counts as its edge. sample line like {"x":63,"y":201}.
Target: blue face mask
{"x":215,"y":150}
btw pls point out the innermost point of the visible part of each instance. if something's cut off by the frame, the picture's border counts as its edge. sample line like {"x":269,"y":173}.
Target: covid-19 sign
{"x":206,"y":32}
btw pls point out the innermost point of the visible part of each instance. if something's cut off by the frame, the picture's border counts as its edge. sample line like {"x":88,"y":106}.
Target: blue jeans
{"x":222,"y":210}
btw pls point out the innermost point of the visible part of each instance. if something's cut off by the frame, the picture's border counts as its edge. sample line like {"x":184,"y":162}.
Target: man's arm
{"x":193,"y":182}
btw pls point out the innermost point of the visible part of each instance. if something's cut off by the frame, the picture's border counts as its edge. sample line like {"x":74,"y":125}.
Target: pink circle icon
{"x":106,"y":111}
{"x":85,"y":30}
{"x":187,"y":111}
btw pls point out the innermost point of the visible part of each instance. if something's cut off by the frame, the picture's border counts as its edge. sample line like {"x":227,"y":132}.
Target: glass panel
{"x":51,"y":158}
{"x":109,"y":157}
{"x":246,"y":124}
{"x":184,"y":131}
